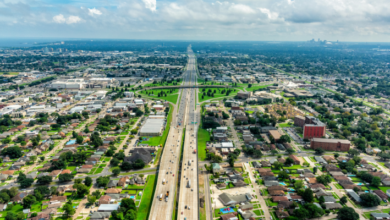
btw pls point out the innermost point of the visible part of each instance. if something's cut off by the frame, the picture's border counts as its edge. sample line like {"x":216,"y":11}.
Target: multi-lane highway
{"x":163,"y":203}
{"x":188,"y":192}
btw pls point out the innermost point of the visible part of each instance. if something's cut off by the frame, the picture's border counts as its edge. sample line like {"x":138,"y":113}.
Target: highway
{"x":170,"y":158}
{"x":188,"y":192}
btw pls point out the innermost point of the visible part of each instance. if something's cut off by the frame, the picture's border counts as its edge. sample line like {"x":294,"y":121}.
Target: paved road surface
{"x":169,"y":163}
{"x":188,"y":195}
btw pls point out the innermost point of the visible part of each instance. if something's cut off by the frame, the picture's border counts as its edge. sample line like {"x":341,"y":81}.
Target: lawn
{"x":147,"y":198}
{"x":257,"y":212}
{"x":202,"y":96}
{"x":171,"y":94}
{"x":384,"y":188}
{"x":270,"y":203}
{"x":203,"y":137}
{"x":254,"y":87}
{"x":99,"y":170}
{"x":284,"y":125}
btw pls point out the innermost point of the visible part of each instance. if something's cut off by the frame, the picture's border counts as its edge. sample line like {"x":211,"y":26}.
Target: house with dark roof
{"x":142,"y":154}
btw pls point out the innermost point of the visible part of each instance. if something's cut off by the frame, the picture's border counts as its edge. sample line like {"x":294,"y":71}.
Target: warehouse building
{"x":330,"y":144}
{"x":69,"y":84}
{"x":152,"y":127}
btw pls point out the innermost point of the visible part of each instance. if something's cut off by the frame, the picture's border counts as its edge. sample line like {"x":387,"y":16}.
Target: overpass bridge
{"x":185,"y":87}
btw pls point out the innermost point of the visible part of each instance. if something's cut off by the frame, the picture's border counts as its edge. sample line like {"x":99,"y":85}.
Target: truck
{"x":195,"y":151}
{"x":160,"y":197}
{"x":163,"y":182}
{"x":189,"y":162}
{"x":167,"y":194}
{"x":189,"y":184}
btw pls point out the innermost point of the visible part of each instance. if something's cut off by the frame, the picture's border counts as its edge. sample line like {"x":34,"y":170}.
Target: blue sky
{"x":279,"y":20}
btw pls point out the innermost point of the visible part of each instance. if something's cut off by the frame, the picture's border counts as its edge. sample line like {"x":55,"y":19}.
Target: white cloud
{"x":59,"y":19}
{"x":73,"y":19}
{"x":94,"y":11}
{"x":70,"y":20}
{"x":150,"y":4}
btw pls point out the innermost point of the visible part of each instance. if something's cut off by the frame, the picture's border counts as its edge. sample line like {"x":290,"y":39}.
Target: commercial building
{"x":312,"y":126}
{"x":244,"y":95}
{"x":152,"y":127}
{"x":275,"y":134}
{"x":330,"y":144}
{"x":69,"y":84}
{"x":228,"y":199}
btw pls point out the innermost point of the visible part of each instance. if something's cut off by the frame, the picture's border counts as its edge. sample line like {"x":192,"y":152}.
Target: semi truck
{"x":189,"y":162}
{"x":160,"y":197}
{"x":166,"y":196}
{"x":163,"y":182}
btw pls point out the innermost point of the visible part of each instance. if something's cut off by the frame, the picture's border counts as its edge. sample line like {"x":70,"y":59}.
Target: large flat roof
{"x":152,"y":125}
{"x":325,"y":140}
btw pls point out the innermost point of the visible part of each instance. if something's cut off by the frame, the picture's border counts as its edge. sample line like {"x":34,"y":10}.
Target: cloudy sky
{"x":278,"y":20}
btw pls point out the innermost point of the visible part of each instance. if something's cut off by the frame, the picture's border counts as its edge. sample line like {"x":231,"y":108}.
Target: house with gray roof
{"x":354,"y":196}
{"x":100,"y":215}
{"x":228,"y":199}
{"x":380,"y":215}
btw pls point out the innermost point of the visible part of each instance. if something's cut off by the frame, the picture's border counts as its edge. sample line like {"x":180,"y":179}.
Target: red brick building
{"x":299,"y":121}
{"x":330,"y":144}
{"x":312,"y":127}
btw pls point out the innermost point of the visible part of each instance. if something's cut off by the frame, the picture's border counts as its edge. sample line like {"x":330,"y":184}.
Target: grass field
{"x":147,"y":198}
{"x":217,"y":94}
{"x":9,"y":73}
{"x":254,"y":87}
{"x":171,"y":94}
{"x":203,"y":137}
{"x":284,"y":125}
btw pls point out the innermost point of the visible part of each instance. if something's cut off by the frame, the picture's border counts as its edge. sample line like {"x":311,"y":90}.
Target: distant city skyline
{"x":247,"y":20}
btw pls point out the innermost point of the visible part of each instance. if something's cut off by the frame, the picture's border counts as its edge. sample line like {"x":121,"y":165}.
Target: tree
{"x":68,"y":209}
{"x":12,"y":152}
{"x":103,"y":181}
{"x":53,"y":190}
{"x":21,"y":177}
{"x":283,"y":175}
{"x":66,"y":177}
{"x":97,"y":194}
{"x":80,"y":157}
{"x":289,"y":161}
{"x":114,"y":162}
{"x":28,"y":201}
{"x":369,"y":200}
{"x":347,"y":213}
{"x":278,"y":165}
{"x":88,"y":181}
{"x":315,"y":170}
{"x":13,"y":191}
{"x":324,"y":179}
{"x":33,"y":158}
{"x":116,"y":171}
{"x":376,"y":181}
{"x":126,"y":166}
{"x":343,"y":200}
{"x":44,"y":180}
{"x":353,"y":152}
{"x":91,"y":199}
{"x":4,"y":197}
{"x":290,"y":151}
{"x":128,"y":204}
{"x":321,"y":199}
{"x":26,"y":183}
{"x":319,"y":151}
{"x":44,"y":190}
{"x":82,"y":190}
{"x":298,"y":185}
{"x":284,"y":139}
{"x":79,"y":139}
{"x":308,"y":195}
{"x":301,"y":213}
{"x":138,"y":164}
